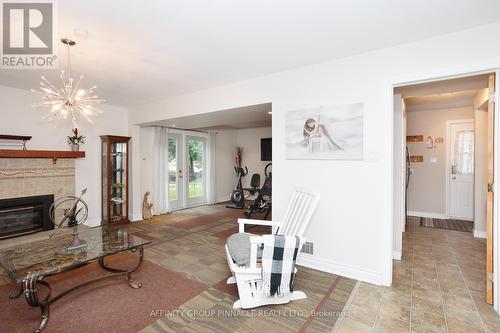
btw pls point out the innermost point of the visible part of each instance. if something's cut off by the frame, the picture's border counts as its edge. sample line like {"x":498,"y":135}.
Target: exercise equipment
{"x":263,"y":202}
{"x":237,"y":197}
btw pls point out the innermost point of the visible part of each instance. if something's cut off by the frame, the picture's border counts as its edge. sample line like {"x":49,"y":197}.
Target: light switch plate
{"x":434,"y":160}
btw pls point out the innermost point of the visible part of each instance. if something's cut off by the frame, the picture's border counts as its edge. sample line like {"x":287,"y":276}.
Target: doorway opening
{"x":443,"y":180}
{"x":190,"y":161}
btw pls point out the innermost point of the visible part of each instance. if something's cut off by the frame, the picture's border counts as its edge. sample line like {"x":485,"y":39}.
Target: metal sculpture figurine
{"x":75,"y":212}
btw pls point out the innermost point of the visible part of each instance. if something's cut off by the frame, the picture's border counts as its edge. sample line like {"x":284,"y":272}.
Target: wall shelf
{"x":416,"y":158}
{"x":53,"y":154}
{"x":414,"y":138}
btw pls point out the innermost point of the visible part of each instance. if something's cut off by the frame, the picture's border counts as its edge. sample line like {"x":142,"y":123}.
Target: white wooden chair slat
{"x":300,"y":216}
{"x":288,"y":212}
{"x":297,"y":216}
{"x":300,"y":227}
{"x":292,"y":216}
{"x":249,"y":278}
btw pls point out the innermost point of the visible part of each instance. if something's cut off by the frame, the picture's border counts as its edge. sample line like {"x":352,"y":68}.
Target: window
{"x":464,"y":152}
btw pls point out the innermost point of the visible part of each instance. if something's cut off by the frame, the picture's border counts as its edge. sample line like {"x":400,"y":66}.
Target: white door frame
{"x":448,"y":162}
{"x":388,"y":191}
{"x":400,"y":178}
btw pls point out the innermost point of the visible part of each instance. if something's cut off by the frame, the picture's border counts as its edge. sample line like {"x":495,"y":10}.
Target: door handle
{"x":453,"y":169}
{"x":453,"y":177}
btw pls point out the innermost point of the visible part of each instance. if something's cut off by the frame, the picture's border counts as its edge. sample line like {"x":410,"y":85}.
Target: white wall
{"x":427,"y":189}
{"x":249,"y":139}
{"x":146,"y":163}
{"x":352,"y":227}
{"x":480,"y":163}
{"x":19,"y":118}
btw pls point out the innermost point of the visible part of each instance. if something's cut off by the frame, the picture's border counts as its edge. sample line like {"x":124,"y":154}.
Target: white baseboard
{"x":479,"y":234}
{"x":396,"y":255}
{"x":93,"y":222}
{"x":329,"y":266}
{"x":427,"y":214}
{"x":136,"y":217}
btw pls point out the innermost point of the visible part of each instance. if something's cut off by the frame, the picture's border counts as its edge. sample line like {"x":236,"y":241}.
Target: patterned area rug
{"x":449,"y":224}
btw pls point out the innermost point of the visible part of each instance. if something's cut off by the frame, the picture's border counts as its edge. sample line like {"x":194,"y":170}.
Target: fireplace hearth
{"x":21,"y":216}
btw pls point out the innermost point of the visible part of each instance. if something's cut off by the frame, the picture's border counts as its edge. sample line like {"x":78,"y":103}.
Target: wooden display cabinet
{"x":115,"y":179}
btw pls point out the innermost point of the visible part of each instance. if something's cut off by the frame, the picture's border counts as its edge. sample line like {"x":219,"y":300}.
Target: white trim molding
{"x":95,"y":222}
{"x":396,"y":255}
{"x":427,"y":214}
{"x":329,"y":266}
{"x":479,"y":233}
{"x":136,"y":217}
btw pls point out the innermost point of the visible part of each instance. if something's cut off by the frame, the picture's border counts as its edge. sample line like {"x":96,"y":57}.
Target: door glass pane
{"x":196,"y":168}
{"x":118,"y":181}
{"x":172,"y":169}
{"x":464,"y":152}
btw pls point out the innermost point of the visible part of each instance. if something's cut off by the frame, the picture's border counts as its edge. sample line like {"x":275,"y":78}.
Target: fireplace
{"x":20,"y":216}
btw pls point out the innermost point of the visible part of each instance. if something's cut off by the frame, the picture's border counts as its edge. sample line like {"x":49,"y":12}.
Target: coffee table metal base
{"x":29,"y":287}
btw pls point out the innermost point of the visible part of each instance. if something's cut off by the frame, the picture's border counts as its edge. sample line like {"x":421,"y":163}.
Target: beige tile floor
{"x":438,"y":286}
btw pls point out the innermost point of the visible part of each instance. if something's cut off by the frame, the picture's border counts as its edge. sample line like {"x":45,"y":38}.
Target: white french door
{"x":196,"y":193}
{"x":186,"y":170}
{"x":461,"y":176}
{"x":175,"y":167}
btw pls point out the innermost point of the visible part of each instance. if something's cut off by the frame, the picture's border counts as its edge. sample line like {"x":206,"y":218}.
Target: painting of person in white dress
{"x":316,"y":137}
{"x":325,"y":133}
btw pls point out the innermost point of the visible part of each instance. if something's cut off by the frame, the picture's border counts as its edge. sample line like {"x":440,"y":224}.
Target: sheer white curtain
{"x":160,"y":170}
{"x":211,"y":168}
{"x":464,"y":152}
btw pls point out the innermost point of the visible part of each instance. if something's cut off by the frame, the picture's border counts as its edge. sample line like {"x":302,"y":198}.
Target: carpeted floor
{"x":184,"y":288}
{"x":448,"y":224}
{"x":110,"y":306}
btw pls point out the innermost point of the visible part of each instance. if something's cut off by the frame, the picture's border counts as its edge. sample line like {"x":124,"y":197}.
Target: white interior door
{"x":461,"y":175}
{"x":195,"y":184}
{"x":175,"y":171}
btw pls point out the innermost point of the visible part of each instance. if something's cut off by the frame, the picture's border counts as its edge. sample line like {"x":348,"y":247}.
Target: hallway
{"x":438,"y":286}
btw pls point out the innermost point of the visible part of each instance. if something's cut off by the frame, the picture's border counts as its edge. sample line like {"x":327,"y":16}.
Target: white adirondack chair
{"x":249,"y":278}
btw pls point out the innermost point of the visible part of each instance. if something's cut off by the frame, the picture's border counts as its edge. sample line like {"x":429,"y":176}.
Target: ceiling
{"x":244,"y":117}
{"x":142,"y":51}
{"x":465,"y":83}
{"x":442,"y":101}
{"x":444,"y":94}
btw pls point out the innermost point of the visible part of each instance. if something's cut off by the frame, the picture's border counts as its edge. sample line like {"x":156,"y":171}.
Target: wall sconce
{"x":429,"y":142}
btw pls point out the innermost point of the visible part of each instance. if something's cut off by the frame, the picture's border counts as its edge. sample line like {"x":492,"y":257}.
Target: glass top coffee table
{"x":27,"y":265}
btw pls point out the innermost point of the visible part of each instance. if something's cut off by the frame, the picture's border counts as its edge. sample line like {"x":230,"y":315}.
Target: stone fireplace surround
{"x":24,"y":177}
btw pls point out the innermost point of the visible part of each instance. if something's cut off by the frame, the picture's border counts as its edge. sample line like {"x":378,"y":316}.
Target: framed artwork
{"x":329,"y":133}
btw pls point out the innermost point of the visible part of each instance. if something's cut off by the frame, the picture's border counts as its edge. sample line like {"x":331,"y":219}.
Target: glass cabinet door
{"x":118,"y":181}
{"x":114,"y":179}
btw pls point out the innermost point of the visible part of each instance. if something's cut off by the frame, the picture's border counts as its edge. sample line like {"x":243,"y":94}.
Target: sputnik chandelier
{"x":69,"y":101}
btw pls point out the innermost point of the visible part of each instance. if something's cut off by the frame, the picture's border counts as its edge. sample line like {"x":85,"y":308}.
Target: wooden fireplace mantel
{"x":53,"y":154}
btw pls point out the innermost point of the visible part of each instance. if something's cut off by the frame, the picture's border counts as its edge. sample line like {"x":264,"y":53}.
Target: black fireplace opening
{"x":21,"y":216}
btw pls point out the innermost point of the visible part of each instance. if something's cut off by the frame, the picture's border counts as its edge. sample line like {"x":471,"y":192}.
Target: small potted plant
{"x":75,"y":140}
